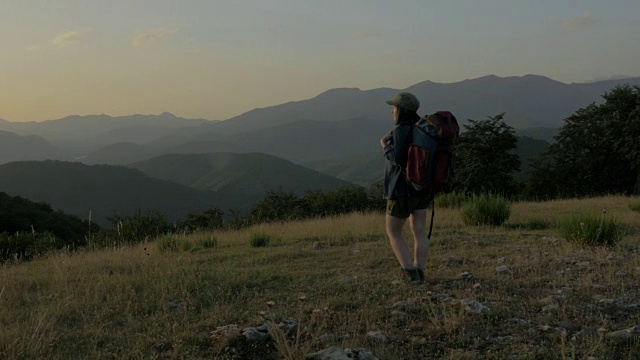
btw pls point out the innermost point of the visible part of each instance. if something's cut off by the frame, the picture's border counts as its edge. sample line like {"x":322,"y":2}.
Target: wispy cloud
{"x":366,"y":34}
{"x":62,"y":40}
{"x":68,"y":38}
{"x":580,"y":22}
{"x":151,"y":36}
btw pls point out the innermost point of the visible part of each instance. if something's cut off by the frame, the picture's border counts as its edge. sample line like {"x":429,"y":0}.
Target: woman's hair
{"x":406,"y":116}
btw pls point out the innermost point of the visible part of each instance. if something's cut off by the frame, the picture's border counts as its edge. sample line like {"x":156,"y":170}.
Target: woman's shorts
{"x":402,"y":207}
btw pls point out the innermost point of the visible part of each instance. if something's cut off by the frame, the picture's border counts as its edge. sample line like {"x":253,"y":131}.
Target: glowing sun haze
{"x":215,"y":59}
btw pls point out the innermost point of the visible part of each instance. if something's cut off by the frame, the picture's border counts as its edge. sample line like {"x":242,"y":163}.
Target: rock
{"x":503,"y":270}
{"x":419,"y":340}
{"x":568,"y":260}
{"x":289,"y":326}
{"x":227,"y":332}
{"x":173,"y":305}
{"x":551,"y":329}
{"x":302,"y":298}
{"x":624,"y":334}
{"x":271,"y":303}
{"x":583,"y":263}
{"x":377,"y":336}
{"x":254,"y":336}
{"x":505,"y":339}
{"x":467,"y":276}
{"x":401,"y":303}
{"x":477,"y":285}
{"x":475,"y":307}
{"x":443,"y":298}
{"x":360,"y":354}
{"x":264,"y":327}
{"x":317,"y":245}
{"x":452,"y":261}
{"x":501,"y":260}
{"x":332,"y":353}
{"x":519,"y":321}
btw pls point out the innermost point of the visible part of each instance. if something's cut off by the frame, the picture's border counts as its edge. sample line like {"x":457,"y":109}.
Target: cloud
{"x":366,"y":35}
{"x":581,"y":22}
{"x":151,"y":36}
{"x":68,"y":38}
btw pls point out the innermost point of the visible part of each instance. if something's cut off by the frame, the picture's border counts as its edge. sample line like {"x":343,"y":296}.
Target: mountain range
{"x":180,"y":165}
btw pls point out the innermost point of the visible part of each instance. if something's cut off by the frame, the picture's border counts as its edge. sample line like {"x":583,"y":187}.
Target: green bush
{"x":590,"y":230}
{"x":486,"y":210}
{"x":260,"y":239}
{"x":451,"y":200}
{"x":169,"y":242}
{"x":635,"y":207}
{"x":207,"y":242}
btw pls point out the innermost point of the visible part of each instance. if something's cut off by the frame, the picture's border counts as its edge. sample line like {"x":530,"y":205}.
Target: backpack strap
{"x":433,"y":212}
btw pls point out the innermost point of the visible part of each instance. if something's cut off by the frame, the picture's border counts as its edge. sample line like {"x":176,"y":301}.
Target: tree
{"x":211,"y":219}
{"x":596,"y":151}
{"x":484,"y":160}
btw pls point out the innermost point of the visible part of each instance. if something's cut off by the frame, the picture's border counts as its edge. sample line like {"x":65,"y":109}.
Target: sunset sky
{"x":215,"y":59}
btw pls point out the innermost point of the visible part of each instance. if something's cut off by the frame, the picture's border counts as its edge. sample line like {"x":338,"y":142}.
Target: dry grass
{"x":138,"y":302}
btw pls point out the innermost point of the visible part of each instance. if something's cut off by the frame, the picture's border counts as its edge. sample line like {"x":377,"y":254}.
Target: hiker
{"x":402,"y":201}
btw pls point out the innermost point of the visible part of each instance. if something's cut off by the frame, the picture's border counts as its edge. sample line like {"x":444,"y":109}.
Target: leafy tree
{"x":140,"y":226}
{"x":596,"y":151}
{"x":277,"y":206}
{"x":485,"y":159}
{"x":210,"y":219}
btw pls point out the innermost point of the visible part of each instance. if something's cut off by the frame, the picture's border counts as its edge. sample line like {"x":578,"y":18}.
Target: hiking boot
{"x":412,"y":276}
{"x":420,"y":275}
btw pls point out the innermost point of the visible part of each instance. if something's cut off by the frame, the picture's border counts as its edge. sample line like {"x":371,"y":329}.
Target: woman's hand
{"x":384,"y":140}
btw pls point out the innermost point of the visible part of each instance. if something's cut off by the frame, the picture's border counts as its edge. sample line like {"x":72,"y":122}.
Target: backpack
{"x":429,"y":168}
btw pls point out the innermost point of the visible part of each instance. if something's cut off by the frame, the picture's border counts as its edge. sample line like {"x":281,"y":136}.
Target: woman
{"x":402,"y":201}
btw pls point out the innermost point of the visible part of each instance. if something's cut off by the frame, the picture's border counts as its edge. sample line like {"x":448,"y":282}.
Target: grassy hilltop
{"x":338,"y":280}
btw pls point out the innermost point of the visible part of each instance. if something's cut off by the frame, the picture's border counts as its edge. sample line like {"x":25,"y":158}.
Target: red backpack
{"x":429,"y":167}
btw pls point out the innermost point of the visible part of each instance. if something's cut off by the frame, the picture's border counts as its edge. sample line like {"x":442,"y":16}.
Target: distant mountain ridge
{"x":249,"y":175}
{"x":103,"y":190}
{"x":14,"y":147}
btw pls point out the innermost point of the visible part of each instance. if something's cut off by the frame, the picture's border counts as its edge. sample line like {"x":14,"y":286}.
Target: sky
{"x":215,"y":59}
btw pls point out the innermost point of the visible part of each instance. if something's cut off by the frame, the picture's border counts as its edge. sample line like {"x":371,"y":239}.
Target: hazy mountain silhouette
{"x":246,"y":176}
{"x":103,"y":129}
{"x":104,"y":190}
{"x":14,"y":147}
{"x":529,"y":101}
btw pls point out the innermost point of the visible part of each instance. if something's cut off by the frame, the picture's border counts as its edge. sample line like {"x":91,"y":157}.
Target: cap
{"x":405,"y":100}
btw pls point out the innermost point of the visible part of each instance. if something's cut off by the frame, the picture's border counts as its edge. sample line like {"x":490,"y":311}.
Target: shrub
{"x":169,"y":242}
{"x":260,"y":239}
{"x":486,"y":210}
{"x":207,"y":242}
{"x":635,"y":207}
{"x":590,"y":230}
{"x":451,"y":200}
